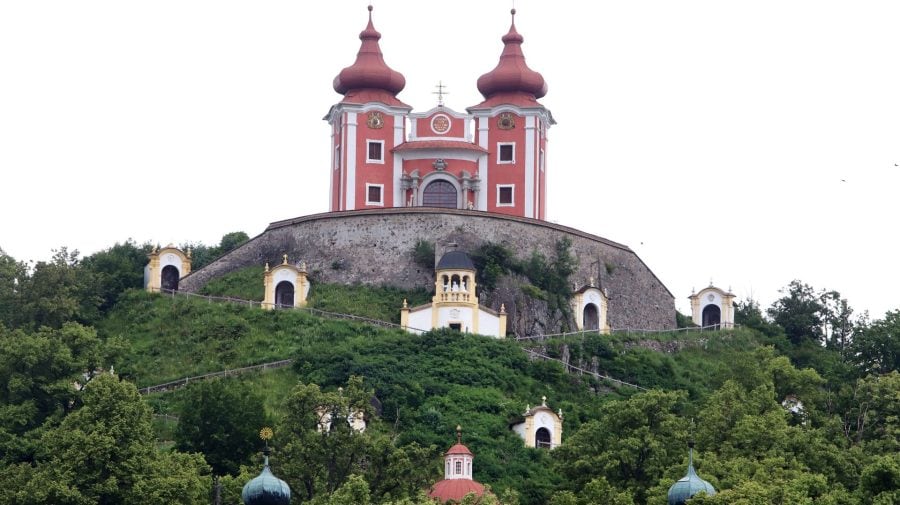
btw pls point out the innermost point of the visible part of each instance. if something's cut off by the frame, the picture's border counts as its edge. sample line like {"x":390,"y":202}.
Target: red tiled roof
{"x":459,"y":449}
{"x":455,"y":489}
{"x":439,"y":144}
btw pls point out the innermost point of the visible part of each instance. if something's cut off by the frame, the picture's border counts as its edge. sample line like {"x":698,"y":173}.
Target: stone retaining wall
{"x":375,"y":247}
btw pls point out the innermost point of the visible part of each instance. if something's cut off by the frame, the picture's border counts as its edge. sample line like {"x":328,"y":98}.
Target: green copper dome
{"x":689,"y":485}
{"x":266,"y":489}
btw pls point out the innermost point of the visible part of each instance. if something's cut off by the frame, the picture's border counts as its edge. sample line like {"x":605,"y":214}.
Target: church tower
{"x":512,"y":126}
{"x":491,"y":158}
{"x":365,"y":127}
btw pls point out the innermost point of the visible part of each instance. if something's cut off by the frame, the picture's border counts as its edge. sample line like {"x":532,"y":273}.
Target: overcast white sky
{"x":750,"y":143}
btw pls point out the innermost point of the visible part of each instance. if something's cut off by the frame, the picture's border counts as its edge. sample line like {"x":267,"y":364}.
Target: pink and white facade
{"x":490,"y":158}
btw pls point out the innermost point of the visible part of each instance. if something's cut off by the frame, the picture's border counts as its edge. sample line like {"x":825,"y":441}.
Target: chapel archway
{"x":440,"y":193}
{"x":712,"y":316}
{"x":170,"y":276}
{"x":284,"y":294}
{"x":591,"y":317}
{"x":542,"y":439}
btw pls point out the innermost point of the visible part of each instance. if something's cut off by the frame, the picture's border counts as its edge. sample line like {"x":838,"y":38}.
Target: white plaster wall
{"x":420,"y":319}
{"x":488,"y":324}
{"x":704,"y":300}
{"x":463,"y":315}
{"x":167,"y":259}
{"x":519,"y":429}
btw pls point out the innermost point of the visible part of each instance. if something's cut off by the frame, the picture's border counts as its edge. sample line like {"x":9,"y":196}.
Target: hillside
{"x":426,"y":384}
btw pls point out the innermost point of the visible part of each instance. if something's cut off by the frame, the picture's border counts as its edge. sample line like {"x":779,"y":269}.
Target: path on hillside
{"x":179,"y":383}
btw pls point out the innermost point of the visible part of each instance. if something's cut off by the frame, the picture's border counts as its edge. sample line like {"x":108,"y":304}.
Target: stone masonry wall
{"x":375,"y":247}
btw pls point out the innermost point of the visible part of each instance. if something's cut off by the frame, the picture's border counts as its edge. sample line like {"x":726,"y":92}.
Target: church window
{"x":506,"y":152}
{"x":374,"y":194}
{"x":459,"y":467}
{"x":505,"y":194}
{"x":375,"y":151}
{"x":456,"y":326}
{"x":442,"y":194}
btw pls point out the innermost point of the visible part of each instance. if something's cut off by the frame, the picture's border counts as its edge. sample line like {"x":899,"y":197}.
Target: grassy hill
{"x":427,"y":384}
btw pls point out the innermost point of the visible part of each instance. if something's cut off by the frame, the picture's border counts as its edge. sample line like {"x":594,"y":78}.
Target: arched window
{"x":542,"y":438}
{"x":169,"y":281}
{"x":591,"y":317}
{"x":440,"y":193}
{"x":712,"y":316}
{"x":284,"y":294}
{"x":459,"y":468}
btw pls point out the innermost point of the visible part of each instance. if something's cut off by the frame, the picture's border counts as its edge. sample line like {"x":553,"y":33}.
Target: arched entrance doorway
{"x":712,"y":316}
{"x":591,"y":317}
{"x":169,"y":281}
{"x":284,"y":294}
{"x":542,"y":438}
{"x":440,"y":194}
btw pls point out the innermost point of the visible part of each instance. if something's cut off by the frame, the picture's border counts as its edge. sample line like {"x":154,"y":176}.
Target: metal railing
{"x":173,"y":385}
{"x":569,"y":367}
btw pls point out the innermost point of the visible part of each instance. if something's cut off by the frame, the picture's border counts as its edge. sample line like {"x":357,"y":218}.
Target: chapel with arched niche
{"x":286,"y":285}
{"x":539,"y":427}
{"x":490,"y":158}
{"x":166,"y":268}
{"x":455,"y":302}
{"x":590,"y":306}
{"x":712,"y":308}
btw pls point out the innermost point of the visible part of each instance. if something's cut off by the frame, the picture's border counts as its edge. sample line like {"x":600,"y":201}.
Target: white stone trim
{"x":399,"y":125}
{"x":449,"y":124}
{"x":350,"y":202}
{"x":530,"y":166}
{"x":447,"y":154}
{"x":501,"y":161}
{"x":512,"y":191}
{"x":483,"y":129}
{"x":380,"y":193}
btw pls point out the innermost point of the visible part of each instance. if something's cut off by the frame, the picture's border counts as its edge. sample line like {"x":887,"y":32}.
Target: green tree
{"x":58,"y":291}
{"x":39,"y":372}
{"x":876,"y":346}
{"x":799,"y":312}
{"x":12,"y":273}
{"x":115,"y":270}
{"x":221,"y":419}
{"x":103,"y":453}
{"x":630,"y":446}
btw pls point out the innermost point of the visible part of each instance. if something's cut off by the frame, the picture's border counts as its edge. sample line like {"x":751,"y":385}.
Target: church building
{"x":490,"y":158}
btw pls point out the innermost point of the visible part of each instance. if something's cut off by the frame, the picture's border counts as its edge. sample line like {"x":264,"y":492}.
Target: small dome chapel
{"x":457,"y":482}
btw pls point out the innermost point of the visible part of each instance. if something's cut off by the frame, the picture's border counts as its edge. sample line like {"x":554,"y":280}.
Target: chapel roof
{"x":455,"y":260}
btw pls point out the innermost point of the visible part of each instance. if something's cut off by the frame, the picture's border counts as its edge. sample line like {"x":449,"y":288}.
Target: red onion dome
{"x":512,"y":74}
{"x":369,"y":71}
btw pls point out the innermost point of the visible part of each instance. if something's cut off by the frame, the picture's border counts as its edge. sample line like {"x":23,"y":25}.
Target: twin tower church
{"x":490,"y":158}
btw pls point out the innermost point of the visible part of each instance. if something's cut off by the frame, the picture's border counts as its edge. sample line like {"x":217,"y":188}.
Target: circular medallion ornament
{"x":440,"y":124}
{"x":506,"y":121}
{"x":375,"y":120}
{"x":710,"y":297}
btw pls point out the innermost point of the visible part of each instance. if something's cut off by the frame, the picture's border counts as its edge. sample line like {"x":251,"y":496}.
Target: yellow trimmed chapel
{"x":454,"y":304}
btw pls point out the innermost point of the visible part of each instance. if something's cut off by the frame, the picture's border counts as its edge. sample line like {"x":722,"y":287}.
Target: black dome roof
{"x":455,"y":260}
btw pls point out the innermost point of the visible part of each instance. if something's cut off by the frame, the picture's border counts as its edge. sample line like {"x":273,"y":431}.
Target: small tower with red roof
{"x":457,"y":481}
{"x":512,"y":126}
{"x":366,"y":125}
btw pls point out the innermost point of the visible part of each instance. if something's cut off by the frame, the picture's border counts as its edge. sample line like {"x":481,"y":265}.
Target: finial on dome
{"x":544,"y":401}
{"x":284,"y":259}
{"x":458,"y":434}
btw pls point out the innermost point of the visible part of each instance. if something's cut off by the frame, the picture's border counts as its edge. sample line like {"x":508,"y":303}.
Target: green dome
{"x":266,"y":489}
{"x":689,"y":485}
